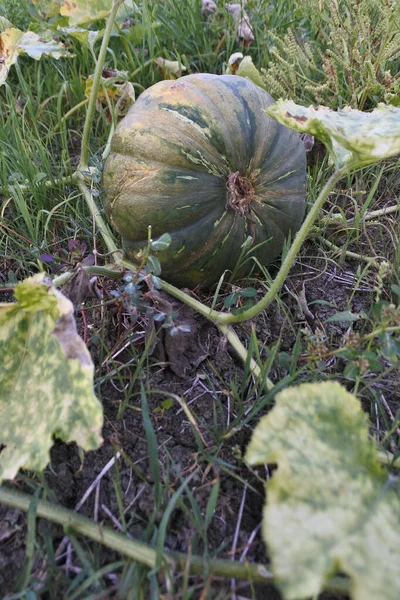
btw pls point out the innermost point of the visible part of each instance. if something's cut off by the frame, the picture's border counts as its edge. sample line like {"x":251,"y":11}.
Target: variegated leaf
{"x":46,"y":379}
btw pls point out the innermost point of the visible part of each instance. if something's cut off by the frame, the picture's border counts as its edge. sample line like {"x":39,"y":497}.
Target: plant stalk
{"x":141,"y":552}
{"x":47,"y":184}
{"x":348,"y":254}
{"x":101,"y":271}
{"x":242,"y":352}
{"x":104,"y":229}
{"x":84,"y":160}
{"x":337,"y":218}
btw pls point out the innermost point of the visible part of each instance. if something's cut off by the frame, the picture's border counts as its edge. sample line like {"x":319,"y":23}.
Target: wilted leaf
{"x":171,"y":69}
{"x":48,"y":8}
{"x":79,"y":286}
{"x":46,"y":379}
{"x":84,"y":36}
{"x":85,"y":11}
{"x":330,"y":506}
{"x":242,"y":21}
{"x":118,"y":92}
{"x":14,"y":42}
{"x":353,"y":138}
{"x":208,"y":7}
{"x":9,"y":40}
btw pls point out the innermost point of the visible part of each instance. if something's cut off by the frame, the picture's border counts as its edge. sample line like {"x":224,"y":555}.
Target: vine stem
{"x":141,"y":552}
{"x":102,"y":226}
{"x":84,"y":159}
{"x":348,"y":254}
{"x":337,"y":218}
{"x":237,"y":345}
{"x":101,"y":271}
{"x":47,"y":184}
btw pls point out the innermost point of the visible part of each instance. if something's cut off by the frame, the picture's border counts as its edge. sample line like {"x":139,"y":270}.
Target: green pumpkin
{"x":199,"y":158}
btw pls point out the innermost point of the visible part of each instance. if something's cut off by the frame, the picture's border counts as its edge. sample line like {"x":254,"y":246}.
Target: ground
{"x":204,"y":381}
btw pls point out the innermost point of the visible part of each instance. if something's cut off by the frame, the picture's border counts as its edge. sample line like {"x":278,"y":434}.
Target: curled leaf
{"x":208,"y":7}
{"x":353,"y":138}
{"x":244,"y":67}
{"x":330,"y":505}
{"x":170,"y":69}
{"x":115,"y":90}
{"x":46,"y":379}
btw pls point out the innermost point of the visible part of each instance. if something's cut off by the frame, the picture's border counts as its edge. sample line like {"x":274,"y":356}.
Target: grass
{"x":170,"y":472}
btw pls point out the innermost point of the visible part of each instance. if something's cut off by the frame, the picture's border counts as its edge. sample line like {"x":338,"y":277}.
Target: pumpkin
{"x":200,"y":159}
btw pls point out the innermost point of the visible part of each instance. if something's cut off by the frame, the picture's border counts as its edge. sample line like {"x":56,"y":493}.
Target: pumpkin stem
{"x":240,"y":193}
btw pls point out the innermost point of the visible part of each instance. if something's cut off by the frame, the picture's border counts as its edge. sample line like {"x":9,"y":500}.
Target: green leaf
{"x":330,"y":505}
{"x":353,"y":138}
{"x":396,"y":289}
{"x":14,"y":42}
{"x":85,"y":11}
{"x":153,"y":265}
{"x":161,"y":243}
{"x":126,"y":10}
{"x":231,"y":300}
{"x":167,"y":403}
{"x":84,"y":36}
{"x":351,"y":371}
{"x":390,"y":347}
{"x":248,"y":292}
{"x":46,"y":379}
{"x":345,"y":315}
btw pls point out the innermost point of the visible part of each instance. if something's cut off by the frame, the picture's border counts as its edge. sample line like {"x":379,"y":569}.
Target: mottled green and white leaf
{"x":14,"y":42}
{"x":80,"y":12}
{"x":353,"y":138}
{"x":330,"y":505}
{"x":46,"y":379}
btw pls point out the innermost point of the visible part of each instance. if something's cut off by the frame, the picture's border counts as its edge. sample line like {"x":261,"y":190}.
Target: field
{"x":182,"y":389}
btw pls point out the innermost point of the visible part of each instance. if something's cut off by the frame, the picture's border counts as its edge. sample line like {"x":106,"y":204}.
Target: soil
{"x":198,"y":366}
